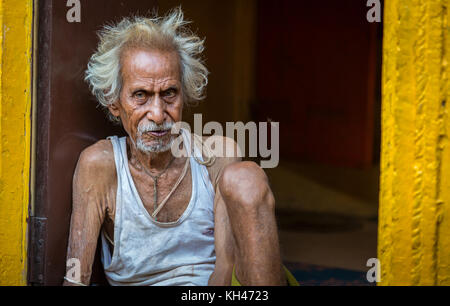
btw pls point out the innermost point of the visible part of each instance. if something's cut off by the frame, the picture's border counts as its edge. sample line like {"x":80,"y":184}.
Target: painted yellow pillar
{"x":15,"y":136}
{"x":414,"y":219}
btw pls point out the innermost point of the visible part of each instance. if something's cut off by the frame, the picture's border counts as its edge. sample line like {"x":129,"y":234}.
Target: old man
{"x":165,"y":220}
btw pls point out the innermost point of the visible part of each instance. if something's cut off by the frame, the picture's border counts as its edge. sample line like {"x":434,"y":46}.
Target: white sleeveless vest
{"x":147,"y":252}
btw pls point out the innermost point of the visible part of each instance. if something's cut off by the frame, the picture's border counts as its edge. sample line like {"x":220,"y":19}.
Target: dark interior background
{"x":313,"y":66}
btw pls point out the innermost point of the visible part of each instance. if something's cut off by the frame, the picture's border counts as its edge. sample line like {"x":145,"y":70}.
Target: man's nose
{"x":156,"y":110}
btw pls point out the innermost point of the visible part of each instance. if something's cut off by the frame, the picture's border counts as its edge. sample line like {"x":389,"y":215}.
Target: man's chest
{"x":151,"y":194}
{"x":174,"y":201}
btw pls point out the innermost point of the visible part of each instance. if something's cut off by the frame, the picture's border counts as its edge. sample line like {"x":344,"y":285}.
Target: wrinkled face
{"x":151,"y":99}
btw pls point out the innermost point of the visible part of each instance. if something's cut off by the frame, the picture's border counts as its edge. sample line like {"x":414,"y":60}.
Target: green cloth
{"x":289,"y":277}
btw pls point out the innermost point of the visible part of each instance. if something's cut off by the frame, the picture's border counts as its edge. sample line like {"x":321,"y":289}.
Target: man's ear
{"x":114,"y":109}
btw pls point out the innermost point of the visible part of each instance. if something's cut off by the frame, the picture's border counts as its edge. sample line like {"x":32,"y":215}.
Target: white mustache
{"x":153,"y":127}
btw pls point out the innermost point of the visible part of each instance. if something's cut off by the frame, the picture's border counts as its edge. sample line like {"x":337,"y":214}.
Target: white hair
{"x":168,"y":33}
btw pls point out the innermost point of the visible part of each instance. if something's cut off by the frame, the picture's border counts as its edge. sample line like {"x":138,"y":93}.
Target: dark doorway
{"x":316,"y":75}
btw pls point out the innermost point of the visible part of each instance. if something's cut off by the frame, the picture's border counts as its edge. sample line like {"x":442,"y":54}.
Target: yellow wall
{"x":414,"y":221}
{"x":15,"y":109}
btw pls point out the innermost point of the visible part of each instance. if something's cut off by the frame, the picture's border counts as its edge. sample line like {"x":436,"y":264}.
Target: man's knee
{"x":244,"y":185}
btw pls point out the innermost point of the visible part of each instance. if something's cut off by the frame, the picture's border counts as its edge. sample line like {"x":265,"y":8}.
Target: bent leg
{"x":251,"y":209}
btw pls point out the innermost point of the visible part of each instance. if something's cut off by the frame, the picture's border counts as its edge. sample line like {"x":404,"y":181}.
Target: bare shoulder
{"x":97,"y":160}
{"x":100,"y":154}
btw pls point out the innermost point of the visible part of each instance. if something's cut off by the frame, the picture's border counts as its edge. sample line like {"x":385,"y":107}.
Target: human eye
{"x":170,"y":93}
{"x":140,"y":96}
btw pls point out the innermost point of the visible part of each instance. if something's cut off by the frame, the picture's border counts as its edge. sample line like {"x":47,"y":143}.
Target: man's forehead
{"x":151,"y":65}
